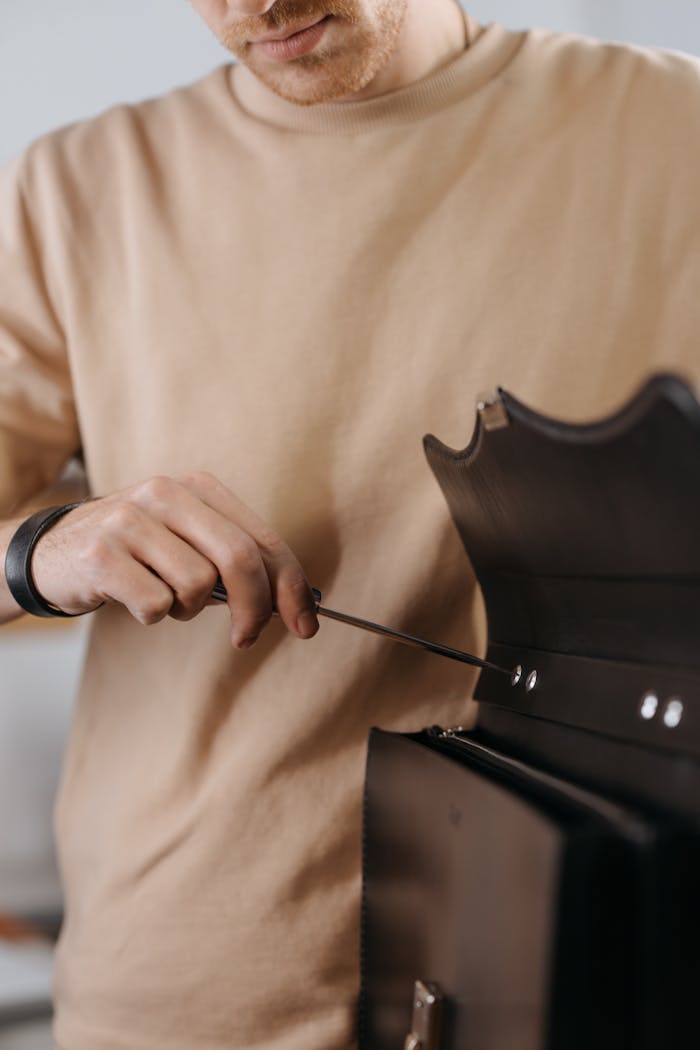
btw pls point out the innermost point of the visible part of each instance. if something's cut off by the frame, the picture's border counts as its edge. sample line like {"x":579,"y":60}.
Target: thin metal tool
{"x":219,"y":593}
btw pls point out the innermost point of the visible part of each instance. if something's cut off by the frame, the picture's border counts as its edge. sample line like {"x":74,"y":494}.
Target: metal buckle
{"x":427,"y":1016}
{"x":492,"y":411}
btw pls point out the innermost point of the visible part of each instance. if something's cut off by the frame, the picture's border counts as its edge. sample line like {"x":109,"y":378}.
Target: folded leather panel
{"x":512,"y":891}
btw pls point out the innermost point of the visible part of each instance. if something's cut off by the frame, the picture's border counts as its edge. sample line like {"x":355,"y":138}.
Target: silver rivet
{"x":673,"y":713}
{"x":531,"y":681}
{"x":649,"y":706}
{"x":516,"y":676}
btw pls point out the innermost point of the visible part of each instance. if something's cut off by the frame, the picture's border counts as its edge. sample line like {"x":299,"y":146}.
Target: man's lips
{"x":299,"y":41}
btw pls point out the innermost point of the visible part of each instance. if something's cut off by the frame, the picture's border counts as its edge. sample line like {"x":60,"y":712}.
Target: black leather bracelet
{"x":18,"y":561}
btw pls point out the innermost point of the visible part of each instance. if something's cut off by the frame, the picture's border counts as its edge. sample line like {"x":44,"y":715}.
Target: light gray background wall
{"x":63,"y":61}
{"x":657,"y":23}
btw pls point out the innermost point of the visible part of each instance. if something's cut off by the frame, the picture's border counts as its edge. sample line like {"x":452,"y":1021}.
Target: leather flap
{"x":585,"y":541}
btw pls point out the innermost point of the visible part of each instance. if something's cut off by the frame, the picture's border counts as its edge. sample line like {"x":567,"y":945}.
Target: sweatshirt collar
{"x":491,"y":48}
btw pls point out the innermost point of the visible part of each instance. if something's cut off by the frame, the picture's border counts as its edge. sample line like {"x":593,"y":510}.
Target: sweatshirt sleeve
{"x":38,"y":426}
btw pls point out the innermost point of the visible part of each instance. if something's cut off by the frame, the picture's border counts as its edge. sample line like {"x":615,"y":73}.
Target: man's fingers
{"x":290,"y":589}
{"x":123,"y":579}
{"x":291,"y":599}
{"x":228,"y":547}
{"x":188,"y":573}
{"x":247,"y":586}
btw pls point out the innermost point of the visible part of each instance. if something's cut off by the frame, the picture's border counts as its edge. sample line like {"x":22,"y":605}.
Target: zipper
{"x":546,"y":785}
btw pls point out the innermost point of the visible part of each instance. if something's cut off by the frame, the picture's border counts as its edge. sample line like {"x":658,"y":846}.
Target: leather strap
{"x":18,"y":561}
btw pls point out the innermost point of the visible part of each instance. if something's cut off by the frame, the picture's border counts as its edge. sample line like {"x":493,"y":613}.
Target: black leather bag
{"x":534,"y":883}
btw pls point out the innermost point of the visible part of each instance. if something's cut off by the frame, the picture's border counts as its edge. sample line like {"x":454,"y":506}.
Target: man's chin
{"x":312,"y":86}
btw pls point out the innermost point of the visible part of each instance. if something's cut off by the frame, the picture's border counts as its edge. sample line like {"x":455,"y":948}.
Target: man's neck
{"x":434,"y":32}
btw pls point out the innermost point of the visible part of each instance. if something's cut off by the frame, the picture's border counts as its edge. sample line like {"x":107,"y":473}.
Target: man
{"x":246,"y":302}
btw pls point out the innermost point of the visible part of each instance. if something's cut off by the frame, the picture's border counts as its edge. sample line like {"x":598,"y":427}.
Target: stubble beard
{"x":332,"y":71}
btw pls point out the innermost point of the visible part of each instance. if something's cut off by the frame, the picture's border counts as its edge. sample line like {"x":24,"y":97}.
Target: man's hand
{"x":158,"y":547}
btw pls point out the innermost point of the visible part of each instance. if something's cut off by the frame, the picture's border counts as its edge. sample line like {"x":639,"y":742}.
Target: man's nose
{"x":249,"y":7}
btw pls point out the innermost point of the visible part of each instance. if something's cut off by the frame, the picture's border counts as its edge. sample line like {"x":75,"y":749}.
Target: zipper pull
{"x":441,"y":733}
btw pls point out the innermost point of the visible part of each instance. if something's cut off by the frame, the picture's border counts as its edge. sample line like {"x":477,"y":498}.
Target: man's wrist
{"x":18,"y":561}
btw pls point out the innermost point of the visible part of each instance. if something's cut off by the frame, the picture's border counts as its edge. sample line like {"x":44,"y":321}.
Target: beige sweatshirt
{"x":291,"y":298}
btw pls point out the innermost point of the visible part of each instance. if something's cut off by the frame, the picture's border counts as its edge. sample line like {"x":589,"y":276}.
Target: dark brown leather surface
{"x":501,"y":893}
{"x":617,"y":499}
{"x":543,"y":870}
{"x":585,"y":542}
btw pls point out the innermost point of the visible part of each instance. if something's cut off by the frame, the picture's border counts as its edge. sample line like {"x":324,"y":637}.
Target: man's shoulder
{"x":618,"y":71}
{"x":583,"y":54}
{"x":150,"y":128}
{"x":616,"y":99}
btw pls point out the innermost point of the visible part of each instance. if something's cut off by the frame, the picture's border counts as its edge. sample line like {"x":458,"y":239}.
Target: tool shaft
{"x":219,"y":593}
{"x":409,"y":639}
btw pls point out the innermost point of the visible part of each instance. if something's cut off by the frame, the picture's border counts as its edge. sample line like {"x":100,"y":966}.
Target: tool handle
{"x":219,"y":593}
